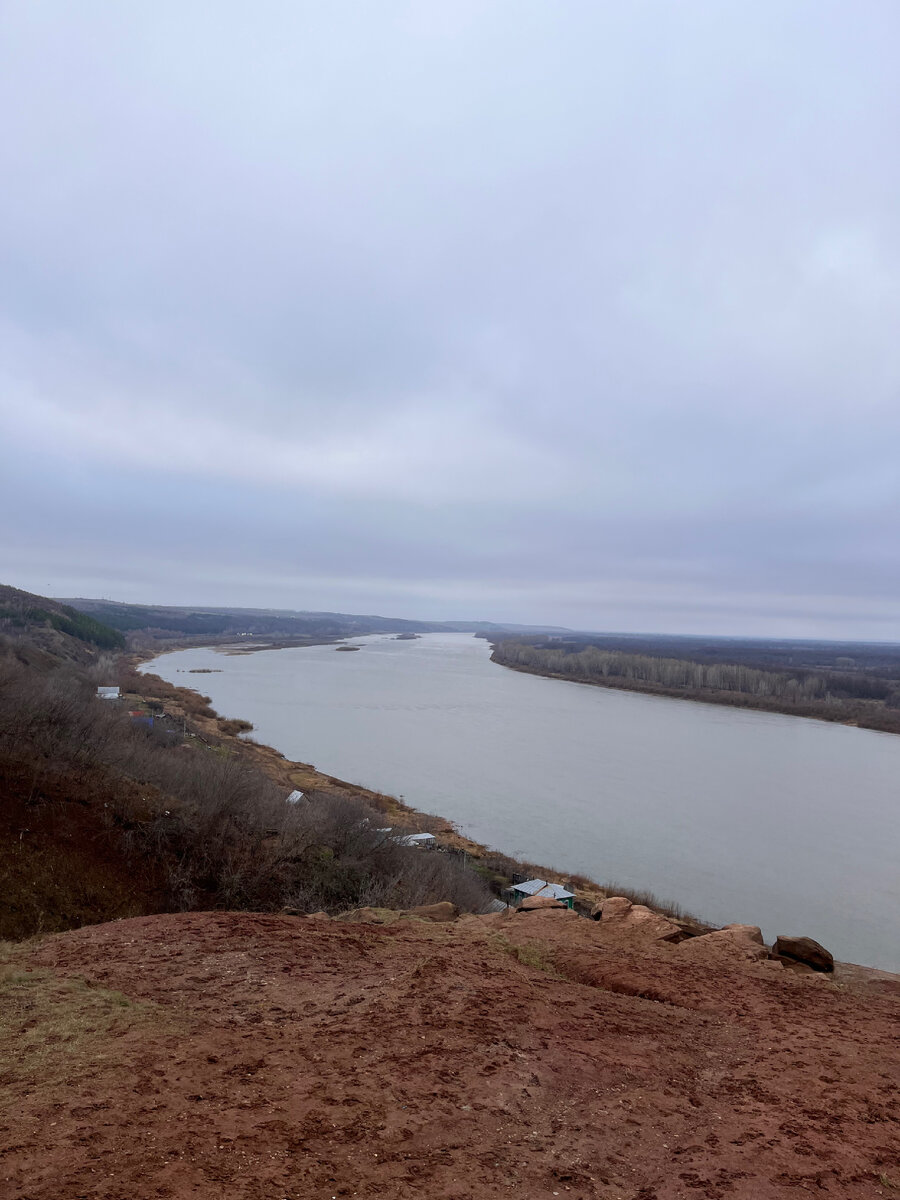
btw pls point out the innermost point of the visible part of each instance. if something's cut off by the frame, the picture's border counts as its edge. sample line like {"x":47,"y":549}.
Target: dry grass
{"x":229,"y":727}
{"x":52,"y":1027}
{"x":528,"y":955}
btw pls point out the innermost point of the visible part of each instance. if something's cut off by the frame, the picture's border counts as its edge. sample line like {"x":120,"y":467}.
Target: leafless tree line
{"x":795,"y":688}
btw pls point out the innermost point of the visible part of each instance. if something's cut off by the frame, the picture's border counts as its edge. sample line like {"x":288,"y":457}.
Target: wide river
{"x":782,"y":822}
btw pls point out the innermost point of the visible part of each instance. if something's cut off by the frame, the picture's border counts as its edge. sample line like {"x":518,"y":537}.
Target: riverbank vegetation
{"x":109,"y":811}
{"x":821,"y":683}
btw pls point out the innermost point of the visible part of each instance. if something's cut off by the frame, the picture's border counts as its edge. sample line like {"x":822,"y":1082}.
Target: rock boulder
{"x":619,"y":916}
{"x":612,"y":908}
{"x":752,"y":933}
{"x":534,"y":903}
{"x":734,"y":943}
{"x":804,"y":950}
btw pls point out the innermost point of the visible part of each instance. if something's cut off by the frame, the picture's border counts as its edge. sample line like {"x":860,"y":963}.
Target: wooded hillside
{"x":40,"y":619}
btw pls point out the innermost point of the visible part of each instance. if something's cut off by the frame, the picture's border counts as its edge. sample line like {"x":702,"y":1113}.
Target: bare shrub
{"x":220,"y":831}
{"x":233,"y":725}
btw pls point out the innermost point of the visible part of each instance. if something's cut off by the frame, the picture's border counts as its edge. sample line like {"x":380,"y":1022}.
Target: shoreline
{"x":187,"y":704}
{"x":719,"y":699}
{"x":306,"y":777}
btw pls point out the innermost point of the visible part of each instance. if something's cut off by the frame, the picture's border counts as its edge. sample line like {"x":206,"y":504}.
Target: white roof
{"x":414,"y":839}
{"x":535,"y":887}
{"x":108,"y":692}
{"x":295,"y":796}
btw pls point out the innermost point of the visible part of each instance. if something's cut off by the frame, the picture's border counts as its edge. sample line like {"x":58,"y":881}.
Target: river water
{"x":782,"y":822}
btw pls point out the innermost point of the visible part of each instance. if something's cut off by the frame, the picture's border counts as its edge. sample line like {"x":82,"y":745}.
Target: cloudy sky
{"x":582,"y":313}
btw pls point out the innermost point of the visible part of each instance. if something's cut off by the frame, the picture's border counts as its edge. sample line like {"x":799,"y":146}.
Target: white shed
{"x":108,"y":693}
{"x":295,"y":797}
{"x":417,"y":839}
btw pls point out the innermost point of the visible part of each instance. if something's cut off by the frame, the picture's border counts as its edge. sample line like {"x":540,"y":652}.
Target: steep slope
{"x":34,"y":627}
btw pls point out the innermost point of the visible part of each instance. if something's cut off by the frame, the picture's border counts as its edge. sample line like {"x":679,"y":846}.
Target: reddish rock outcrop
{"x":616,"y":912}
{"x":734,"y":943}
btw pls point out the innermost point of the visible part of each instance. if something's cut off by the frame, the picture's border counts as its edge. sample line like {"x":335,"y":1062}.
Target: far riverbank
{"x":549,"y":663}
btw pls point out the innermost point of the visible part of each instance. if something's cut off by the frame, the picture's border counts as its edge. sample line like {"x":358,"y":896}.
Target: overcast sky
{"x":584,"y":313}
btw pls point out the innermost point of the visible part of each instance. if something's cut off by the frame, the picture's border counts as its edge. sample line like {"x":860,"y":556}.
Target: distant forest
{"x":848,"y":682}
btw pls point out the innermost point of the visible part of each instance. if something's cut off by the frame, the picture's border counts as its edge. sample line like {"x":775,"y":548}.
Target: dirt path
{"x":266,"y":1058}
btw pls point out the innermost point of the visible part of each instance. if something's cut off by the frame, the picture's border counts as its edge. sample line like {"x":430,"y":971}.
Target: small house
{"x":108,"y":693}
{"x":417,"y":839}
{"x":295,"y":797}
{"x":539,"y":887}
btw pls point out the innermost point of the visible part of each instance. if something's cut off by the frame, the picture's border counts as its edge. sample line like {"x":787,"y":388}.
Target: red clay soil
{"x":279,"y":1058}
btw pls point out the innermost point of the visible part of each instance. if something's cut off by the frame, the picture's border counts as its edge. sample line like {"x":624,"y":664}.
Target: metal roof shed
{"x":540,"y":887}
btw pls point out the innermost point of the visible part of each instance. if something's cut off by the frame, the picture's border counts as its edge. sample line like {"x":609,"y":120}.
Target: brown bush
{"x":214,"y":829}
{"x":233,"y":725}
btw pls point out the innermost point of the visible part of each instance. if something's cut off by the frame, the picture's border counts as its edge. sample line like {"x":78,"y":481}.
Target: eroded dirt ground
{"x":272,"y":1057}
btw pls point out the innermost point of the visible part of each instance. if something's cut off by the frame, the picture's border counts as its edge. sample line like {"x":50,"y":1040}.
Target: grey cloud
{"x":432,"y":306}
